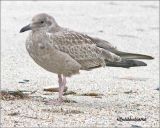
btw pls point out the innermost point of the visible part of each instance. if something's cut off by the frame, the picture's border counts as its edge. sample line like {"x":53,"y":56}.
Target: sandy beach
{"x":124,"y":93}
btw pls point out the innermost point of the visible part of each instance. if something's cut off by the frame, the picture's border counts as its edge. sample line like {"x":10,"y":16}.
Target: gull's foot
{"x":54,"y":102}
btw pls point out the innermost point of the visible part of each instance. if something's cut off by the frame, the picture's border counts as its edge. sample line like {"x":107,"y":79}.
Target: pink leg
{"x":62,"y":83}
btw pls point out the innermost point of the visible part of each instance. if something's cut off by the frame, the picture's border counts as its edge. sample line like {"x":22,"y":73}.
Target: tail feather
{"x":126,"y":55}
{"x":126,"y":63}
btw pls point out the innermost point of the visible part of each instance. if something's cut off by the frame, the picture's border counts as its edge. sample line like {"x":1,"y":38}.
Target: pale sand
{"x":131,"y":26}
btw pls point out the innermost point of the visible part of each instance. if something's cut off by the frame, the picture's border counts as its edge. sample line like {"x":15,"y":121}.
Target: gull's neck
{"x":54,"y":29}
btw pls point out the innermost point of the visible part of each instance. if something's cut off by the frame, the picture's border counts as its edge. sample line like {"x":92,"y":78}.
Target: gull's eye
{"x":42,"y":22}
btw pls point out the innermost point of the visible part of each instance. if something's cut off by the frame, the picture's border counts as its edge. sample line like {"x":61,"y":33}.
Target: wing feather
{"x":81,"y":48}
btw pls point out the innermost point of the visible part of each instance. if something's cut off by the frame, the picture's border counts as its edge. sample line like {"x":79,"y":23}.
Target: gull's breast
{"x":42,"y":53}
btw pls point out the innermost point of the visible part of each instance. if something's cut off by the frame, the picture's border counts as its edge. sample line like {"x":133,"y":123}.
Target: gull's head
{"x":41,"y":21}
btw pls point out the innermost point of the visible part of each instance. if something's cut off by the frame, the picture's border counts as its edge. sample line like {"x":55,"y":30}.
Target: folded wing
{"x":82,"y":49}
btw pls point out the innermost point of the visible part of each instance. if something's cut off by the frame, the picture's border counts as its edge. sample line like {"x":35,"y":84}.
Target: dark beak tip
{"x":26,"y":28}
{"x":21,"y":31}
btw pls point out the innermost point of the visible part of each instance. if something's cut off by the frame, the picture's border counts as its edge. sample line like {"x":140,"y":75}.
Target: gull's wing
{"x":82,"y":49}
{"x":125,"y":55}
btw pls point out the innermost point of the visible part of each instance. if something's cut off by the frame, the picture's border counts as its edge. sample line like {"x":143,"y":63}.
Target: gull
{"x":65,"y":52}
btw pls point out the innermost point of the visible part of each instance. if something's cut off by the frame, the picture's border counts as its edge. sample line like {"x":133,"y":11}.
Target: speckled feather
{"x":81,"y":48}
{"x":63,"y":51}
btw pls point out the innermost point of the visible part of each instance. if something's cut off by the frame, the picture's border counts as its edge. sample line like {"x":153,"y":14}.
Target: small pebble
{"x":26,"y":80}
{"x":54,"y":89}
{"x":69,"y":93}
{"x":128,"y":92}
{"x":100,"y":31}
{"x":91,"y":94}
{"x":100,"y":97}
{"x":69,"y":101}
{"x":22,"y":82}
{"x":157,"y":89}
{"x":14,"y":114}
{"x":135,"y":126}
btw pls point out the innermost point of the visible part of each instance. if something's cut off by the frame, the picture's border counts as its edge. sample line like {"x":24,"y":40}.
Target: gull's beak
{"x":25,"y":28}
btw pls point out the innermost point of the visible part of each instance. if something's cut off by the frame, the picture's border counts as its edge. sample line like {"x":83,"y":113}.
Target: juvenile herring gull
{"x":65,"y":52}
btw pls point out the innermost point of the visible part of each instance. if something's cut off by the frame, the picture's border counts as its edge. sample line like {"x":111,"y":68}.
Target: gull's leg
{"x":61,"y":87}
{"x":62,"y":83}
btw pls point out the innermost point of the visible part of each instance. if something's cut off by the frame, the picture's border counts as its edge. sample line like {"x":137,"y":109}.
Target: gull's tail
{"x":126,"y":63}
{"x":126,"y":55}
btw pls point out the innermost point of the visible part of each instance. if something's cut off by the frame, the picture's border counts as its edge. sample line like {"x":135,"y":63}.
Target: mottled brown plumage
{"x":62,"y":51}
{"x":65,"y":52}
